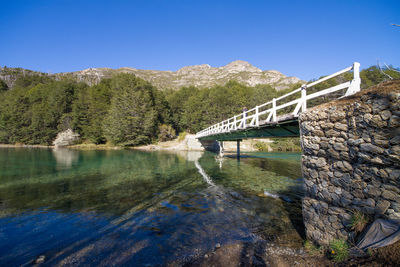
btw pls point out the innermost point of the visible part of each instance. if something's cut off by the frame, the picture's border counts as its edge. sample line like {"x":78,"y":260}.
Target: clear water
{"x":137,"y":208}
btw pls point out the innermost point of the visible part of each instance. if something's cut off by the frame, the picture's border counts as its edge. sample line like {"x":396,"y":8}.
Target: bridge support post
{"x":238,"y":149}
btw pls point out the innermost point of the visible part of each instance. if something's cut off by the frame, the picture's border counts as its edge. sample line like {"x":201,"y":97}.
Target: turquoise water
{"x":137,"y":208}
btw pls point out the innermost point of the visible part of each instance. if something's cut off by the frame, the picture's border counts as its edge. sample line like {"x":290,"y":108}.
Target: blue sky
{"x":306,"y":39}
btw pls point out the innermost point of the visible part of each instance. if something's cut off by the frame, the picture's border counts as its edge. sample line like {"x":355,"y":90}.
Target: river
{"x":128,"y":207}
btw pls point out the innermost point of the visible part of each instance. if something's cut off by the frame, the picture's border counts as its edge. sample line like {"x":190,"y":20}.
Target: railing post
{"x":303,"y":98}
{"x":234,"y":123}
{"x":257,"y":121}
{"x":274,"y":110}
{"x":356,"y":82}
{"x":356,"y":71}
{"x":244,"y":119}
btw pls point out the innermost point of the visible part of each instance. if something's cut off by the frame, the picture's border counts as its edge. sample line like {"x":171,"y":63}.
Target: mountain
{"x":197,"y":75}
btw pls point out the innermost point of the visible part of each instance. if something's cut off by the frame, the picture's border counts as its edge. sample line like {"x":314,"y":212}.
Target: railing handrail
{"x":231,"y":124}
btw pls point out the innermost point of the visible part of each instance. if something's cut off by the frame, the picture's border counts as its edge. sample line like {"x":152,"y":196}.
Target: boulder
{"x":66,"y":138}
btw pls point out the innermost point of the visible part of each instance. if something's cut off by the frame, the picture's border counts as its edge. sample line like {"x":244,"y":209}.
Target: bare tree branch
{"x":391,"y":68}
{"x":379,"y":66}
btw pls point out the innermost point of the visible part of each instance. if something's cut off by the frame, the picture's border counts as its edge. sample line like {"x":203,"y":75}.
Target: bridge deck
{"x":285,"y":126}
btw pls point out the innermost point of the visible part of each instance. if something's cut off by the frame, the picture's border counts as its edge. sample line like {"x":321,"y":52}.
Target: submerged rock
{"x":40,"y":259}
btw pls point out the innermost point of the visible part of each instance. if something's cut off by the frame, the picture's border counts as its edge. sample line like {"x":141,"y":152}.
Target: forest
{"x":128,"y":111}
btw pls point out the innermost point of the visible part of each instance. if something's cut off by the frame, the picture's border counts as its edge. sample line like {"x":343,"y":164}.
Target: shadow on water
{"x":294,"y":210}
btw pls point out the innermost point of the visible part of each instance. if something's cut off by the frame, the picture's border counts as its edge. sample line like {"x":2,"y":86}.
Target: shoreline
{"x":148,"y":148}
{"x":24,"y":146}
{"x":187,"y":144}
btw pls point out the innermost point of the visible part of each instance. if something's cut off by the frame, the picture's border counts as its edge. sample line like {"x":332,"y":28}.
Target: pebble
{"x":40,"y":259}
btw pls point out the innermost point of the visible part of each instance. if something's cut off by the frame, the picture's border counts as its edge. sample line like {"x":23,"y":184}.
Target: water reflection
{"x":125,"y":207}
{"x":203,"y":173}
{"x":65,"y":157}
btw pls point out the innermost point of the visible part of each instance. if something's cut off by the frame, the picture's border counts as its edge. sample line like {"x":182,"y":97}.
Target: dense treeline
{"x":127,"y":110}
{"x":124,"y":110}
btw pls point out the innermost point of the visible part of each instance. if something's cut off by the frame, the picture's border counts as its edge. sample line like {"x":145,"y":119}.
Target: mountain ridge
{"x":200,"y":76}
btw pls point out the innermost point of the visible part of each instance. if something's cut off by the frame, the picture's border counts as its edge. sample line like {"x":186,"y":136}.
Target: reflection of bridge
{"x":278,"y":117}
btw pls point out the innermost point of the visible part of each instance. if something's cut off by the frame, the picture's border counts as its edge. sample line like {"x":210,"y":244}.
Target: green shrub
{"x":286,"y":144}
{"x":261,"y":146}
{"x":182,"y":136}
{"x":339,"y":250}
{"x":358,"y":221}
{"x":312,"y":249}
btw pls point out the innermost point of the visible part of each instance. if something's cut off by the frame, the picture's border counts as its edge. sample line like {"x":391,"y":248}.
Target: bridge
{"x":278,"y":117}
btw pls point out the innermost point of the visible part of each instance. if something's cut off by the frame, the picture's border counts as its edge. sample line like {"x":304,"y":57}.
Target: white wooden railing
{"x":266,"y":113}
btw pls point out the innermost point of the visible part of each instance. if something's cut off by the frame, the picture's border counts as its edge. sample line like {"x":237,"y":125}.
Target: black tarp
{"x":380,"y":233}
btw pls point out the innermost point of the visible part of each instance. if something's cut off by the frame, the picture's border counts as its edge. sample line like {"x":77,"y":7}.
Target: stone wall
{"x":351,"y":161}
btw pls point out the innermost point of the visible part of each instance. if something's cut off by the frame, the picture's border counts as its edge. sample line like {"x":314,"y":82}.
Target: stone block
{"x":370,"y":148}
{"x":332,"y":133}
{"x":332,"y":218}
{"x":396,"y":149}
{"x":383,"y":173}
{"x":395,"y":140}
{"x":333,"y":153}
{"x":377,"y":160}
{"x":381,"y":206}
{"x":394,"y":121}
{"x":340,"y":126}
{"x":386,"y":114}
{"x":380,"y":104}
{"x":390,"y":195}
{"x":320,"y":162}
{"x":381,"y":143}
{"x":373,"y":191}
{"x":340,"y":147}
{"x":377,"y":122}
{"x":394,"y":174}
{"x":344,"y":166}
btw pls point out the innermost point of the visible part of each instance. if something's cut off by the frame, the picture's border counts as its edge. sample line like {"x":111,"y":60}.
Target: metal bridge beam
{"x":287,"y":129}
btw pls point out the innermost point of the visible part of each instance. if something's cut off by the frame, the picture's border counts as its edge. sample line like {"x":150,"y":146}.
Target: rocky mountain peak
{"x":240,"y":66}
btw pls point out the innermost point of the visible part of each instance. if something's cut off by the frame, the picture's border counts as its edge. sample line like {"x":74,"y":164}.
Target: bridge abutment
{"x":210,"y":145}
{"x":351,"y":161}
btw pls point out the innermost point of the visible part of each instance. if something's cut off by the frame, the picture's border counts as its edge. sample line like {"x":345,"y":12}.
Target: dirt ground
{"x":386,"y":256}
{"x":264,"y":253}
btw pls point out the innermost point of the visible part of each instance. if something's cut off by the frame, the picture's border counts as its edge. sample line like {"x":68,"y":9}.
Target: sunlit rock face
{"x":201,"y":76}
{"x":198,"y":75}
{"x":66,"y":138}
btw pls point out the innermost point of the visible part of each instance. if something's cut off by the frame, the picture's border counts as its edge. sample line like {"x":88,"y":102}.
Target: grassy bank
{"x":280,"y":144}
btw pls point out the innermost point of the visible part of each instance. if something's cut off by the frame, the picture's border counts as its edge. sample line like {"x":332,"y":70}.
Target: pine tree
{"x":132,"y":118}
